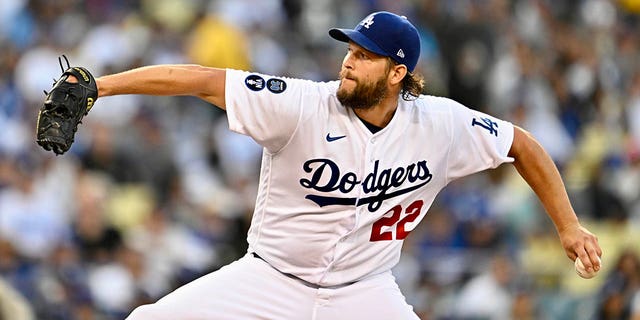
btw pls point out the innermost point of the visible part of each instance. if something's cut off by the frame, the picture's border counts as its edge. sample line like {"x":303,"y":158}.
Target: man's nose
{"x":347,"y":63}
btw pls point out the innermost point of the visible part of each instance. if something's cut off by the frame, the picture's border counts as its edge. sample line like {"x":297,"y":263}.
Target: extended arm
{"x":167,"y":80}
{"x":537,"y":168}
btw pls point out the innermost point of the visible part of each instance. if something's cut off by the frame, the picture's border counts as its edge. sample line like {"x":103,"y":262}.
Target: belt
{"x":305,"y":282}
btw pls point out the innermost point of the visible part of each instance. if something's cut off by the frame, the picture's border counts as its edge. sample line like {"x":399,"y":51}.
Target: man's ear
{"x":397,"y":73}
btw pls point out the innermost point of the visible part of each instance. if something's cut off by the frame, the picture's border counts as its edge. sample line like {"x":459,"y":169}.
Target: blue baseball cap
{"x":386,"y":34}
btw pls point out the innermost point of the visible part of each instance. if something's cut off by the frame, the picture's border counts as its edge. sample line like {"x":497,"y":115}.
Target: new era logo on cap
{"x":386,"y":34}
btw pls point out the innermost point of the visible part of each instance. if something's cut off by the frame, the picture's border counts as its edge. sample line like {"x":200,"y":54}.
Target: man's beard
{"x":364,"y":95}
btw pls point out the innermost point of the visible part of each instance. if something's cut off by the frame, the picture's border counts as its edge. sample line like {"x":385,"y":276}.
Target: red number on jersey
{"x":413,"y":212}
{"x":376,"y":231}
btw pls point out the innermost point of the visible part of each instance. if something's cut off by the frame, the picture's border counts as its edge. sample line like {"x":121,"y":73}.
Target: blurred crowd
{"x":156,"y":191}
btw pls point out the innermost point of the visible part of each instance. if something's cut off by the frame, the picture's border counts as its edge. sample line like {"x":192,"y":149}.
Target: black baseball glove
{"x":64,"y":107}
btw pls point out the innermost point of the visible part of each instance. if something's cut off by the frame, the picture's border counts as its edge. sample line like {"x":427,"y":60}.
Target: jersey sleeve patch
{"x":276,"y":85}
{"x":254,"y":82}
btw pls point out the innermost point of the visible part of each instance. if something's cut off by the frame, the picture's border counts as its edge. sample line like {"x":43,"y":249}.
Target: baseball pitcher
{"x":349,"y":168}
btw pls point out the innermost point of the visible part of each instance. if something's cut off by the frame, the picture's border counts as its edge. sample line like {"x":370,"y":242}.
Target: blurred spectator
{"x":467,"y":45}
{"x":183,"y":252}
{"x":524,"y":306}
{"x":96,"y":239}
{"x":488,"y":295}
{"x":616,"y":297}
{"x":215,"y":43}
{"x":104,"y":155}
{"x":30,"y":217}
{"x":149,"y":161}
{"x":114,"y":285}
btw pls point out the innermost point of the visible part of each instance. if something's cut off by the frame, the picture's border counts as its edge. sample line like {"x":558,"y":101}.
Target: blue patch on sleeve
{"x":276,"y":85}
{"x":254,"y":82}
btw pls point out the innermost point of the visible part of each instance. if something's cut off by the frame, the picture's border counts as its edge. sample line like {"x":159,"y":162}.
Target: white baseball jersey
{"x":336,"y":201}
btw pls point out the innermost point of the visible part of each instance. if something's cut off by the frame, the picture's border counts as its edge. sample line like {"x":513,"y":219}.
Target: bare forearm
{"x":538,"y":169}
{"x":167,"y":80}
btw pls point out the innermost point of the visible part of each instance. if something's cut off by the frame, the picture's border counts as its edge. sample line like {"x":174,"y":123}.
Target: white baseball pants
{"x":249,"y":288}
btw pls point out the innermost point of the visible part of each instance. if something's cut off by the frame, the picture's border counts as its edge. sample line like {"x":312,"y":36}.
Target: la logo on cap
{"x":368,"y":21}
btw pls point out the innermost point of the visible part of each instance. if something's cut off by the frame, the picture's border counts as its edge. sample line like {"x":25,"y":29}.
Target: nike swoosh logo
{"x":330,"y":138}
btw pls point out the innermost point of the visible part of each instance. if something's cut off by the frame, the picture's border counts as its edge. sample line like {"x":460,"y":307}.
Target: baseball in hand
{"x":582,"y":272}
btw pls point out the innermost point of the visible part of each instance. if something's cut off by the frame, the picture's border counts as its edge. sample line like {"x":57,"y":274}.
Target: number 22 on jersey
{"x":398,"y":218}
